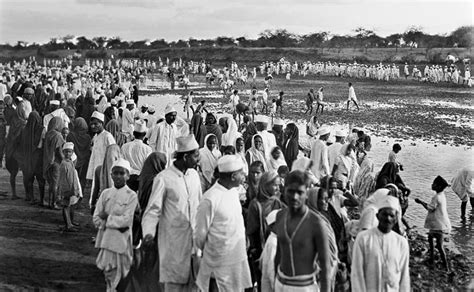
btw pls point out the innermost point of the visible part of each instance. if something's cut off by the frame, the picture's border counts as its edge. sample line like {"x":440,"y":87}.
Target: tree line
{"x":279,"y":38}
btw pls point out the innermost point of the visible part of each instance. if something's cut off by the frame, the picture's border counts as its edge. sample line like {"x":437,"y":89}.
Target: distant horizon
{"x":135,"y":20}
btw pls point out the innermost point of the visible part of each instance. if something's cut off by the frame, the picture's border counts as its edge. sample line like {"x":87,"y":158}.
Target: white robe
{"x":100,"y":143}
{"x":163,"y":139}
{"x":319,"y":156}
{"x":136,"y":152}
{"x":173,"y":204}
{"x":220,"y":233}
{"x":374,"y":250}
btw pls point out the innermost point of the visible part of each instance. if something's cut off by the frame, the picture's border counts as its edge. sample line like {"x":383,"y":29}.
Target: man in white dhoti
{"x":173,"y":203}
{"x":380,"y":256}
{"x":352,"y":97}
{"x":100,"y":141}
{"x":319,"y":154}
{"x":163,"y":135}
{"x":220,"y":232}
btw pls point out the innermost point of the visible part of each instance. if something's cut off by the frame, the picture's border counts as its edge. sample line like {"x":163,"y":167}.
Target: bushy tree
{"x":462,"y":36}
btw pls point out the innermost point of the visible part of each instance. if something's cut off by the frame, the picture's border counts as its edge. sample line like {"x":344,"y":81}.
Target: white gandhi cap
{"x":121,"y":163}
{"x":97,"y":115}
{"x":229,"y":163}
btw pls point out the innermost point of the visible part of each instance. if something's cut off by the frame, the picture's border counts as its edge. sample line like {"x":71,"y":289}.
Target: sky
{"x":40,"y":20}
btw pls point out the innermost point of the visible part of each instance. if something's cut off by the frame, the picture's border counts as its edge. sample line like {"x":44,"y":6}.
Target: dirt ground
{"x":36,"y":255}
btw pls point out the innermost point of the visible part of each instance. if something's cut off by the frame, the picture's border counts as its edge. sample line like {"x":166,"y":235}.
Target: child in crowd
{"x":113,"y":216}
{"x":437,"y":220}
{"x":69,"y":188}
{"x":282,"y":173}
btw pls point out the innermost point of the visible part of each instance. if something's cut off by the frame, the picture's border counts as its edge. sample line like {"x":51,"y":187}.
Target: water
{"x":422,"y":163}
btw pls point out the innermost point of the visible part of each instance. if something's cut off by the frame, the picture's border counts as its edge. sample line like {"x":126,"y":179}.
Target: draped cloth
{"x":198,"y":129}
{"x":291,"y":145}
{"x":30,"y":139}
{"x":13,"y":157}
{"x":82,"y":142}
{"x":112,"y":154}
{"x":387,"y":175}
{"x":113,"y":128}
{"x":153,"y":165}
{"x":208,"y":162}
{"x":255,"y":154}
{"x":364,"y":183}
{"x":213,"y":128}
{"x":232,"y":133}
{"x":53,"y":141}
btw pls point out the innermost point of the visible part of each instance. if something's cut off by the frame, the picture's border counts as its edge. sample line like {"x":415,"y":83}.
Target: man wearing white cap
{"x":380,"y":256}
{"x":151,"y":118}
{"x":173,"y":204}
{"x":113,"y":217}
{"x":163,"y":135}
{"x":55,"y":111}
{"x":335,"y":148}
{"x":136,"y":152}
{"x":100,"y":141}
{"x":319,"y":154}
{"x":220,"y":232}
{"x":128,"y":118}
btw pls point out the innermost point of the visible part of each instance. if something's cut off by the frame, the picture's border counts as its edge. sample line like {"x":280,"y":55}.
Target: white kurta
{"x":100,"y":143}
{"x":57,"y":113}
{"x":173,"y":203}
{"x":220,"y":233}
{"x":333,"y":152}
{"x":163,"y":139}
{"x":127,"y":121}
{"x":319,"y":156}
{"x":380,"y":262}
{"x":352,"y":94}
{"x":136,"y":152}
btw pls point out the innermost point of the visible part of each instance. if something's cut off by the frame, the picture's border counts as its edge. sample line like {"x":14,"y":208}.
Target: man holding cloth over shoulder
{"x":220,"y":232}
{"x":173,"y":203}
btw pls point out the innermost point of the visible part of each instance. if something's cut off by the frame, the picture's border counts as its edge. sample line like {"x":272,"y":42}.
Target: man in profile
{"x":301,"y":240}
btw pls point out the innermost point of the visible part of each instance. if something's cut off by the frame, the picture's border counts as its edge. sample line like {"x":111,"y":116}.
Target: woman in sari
{"x":209,"y":155}
{"x":259,"y":208}
{"x":291,"y":144}
{"x":102,"y":175}
{"x":33,"y":156}
{"x":198,"y":129}
{"x":387,"y":175}
{"x":82,"y":147}
{"x":213,"y":128}
{"x":364,"y":183}
{"x":230,"y":132}
{"x":109,"y":114}
{"x":318,"y":199}
{"x":248,"y":135}
{"x":256,"y":152}
{"x":88,"y":106}
{"x":53,"y":156}
{"x":240,"y":151}
{"x":13,"y":157}
{"x":113,"y":128}
{"x":276,"y":159}
{"x":70,"y":108}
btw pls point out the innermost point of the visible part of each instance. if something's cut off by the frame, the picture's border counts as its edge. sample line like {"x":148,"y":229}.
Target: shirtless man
{"x":301,"y":237}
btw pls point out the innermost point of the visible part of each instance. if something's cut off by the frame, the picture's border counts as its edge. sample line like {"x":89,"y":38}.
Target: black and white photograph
{"x":257,"y":146}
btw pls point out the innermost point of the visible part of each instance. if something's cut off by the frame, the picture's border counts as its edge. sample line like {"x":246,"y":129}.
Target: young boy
{"x":113,"y":216}
{"x":283,"y":171}
{"x":392,"y":156}
{"x":69,"y":188}
{"x":437,"y":220}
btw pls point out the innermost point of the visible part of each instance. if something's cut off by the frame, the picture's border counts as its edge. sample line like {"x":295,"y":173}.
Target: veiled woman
{"x":52,"y":156}
{"x":291,"y":144}
{"x":256,"y":152}
{"x":198,"y":129}
{"x":82,"y":147}
{"x":209,"y":155}
{"x":33,"y":156}
{"x":213,"y":128}
{"x":113,"y":128}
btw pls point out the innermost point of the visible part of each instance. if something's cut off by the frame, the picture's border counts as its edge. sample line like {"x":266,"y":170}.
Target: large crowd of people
{"x":208,"y":203}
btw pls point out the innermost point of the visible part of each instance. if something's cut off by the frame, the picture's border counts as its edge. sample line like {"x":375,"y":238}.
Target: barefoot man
{"x":301,"y":239}
{"x":352,"y":96}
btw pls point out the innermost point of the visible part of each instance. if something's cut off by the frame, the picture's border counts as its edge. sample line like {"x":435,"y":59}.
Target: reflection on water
{"x":422,"y":162}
